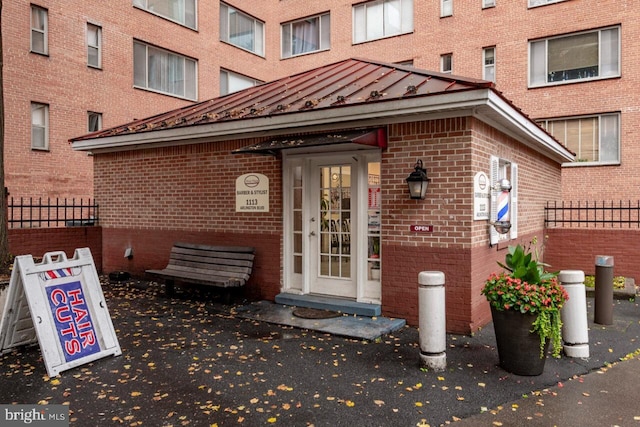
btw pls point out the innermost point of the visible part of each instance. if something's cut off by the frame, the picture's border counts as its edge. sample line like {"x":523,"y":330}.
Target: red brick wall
{"x":150,"y":199}
{"x":452,"y":150}
{"x":576,"y":249}
{"x":38,"y":241}
{"x":151,"y":251}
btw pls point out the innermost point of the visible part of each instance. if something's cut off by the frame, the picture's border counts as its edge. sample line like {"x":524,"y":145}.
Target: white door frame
{"x":299,"y":282}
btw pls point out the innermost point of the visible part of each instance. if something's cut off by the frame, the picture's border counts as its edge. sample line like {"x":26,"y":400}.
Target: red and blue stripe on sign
{"x":56,"y":274}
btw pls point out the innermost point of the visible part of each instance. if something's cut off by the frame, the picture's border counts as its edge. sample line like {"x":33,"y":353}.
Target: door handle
{"x":313,"y":233}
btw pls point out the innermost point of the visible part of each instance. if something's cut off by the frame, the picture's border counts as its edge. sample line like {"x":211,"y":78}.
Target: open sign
{"x":421,"y":228}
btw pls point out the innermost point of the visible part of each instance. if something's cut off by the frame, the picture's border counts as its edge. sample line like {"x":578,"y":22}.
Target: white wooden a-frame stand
{"x":58,"y":303}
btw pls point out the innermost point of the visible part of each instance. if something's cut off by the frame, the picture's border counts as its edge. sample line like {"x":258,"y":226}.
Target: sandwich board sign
{"x":59,"y":304}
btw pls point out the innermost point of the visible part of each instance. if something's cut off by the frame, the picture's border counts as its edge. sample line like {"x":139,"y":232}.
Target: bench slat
{"x":230,"y":271}
{"x":209,"y":260}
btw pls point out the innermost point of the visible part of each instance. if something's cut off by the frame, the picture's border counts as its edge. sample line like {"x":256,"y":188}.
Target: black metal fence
{"x":618,"y":214}
{"x":37,"y":213}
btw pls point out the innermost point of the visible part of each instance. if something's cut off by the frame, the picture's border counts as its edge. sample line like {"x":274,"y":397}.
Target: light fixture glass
{"x":418,"y":181}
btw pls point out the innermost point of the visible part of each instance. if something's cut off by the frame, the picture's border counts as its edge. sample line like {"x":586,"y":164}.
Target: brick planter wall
{"x":576,"y":249}
{"x":38,"y":241}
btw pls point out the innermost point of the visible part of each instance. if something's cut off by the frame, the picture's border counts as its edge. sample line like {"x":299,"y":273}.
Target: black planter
{"x":518,"y":348}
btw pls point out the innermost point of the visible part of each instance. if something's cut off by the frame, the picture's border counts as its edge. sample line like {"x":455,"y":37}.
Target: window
{"x":241,"y":30}
{"x":446,"y":8}
{"x":446,"y":63}
{"x":181,"y":11}
{"x":489,"y":70}
{"x":504,"y":205}
{"x":94,"y":121}
{"x":306,"y":35}
{"x":592,"y":138}
{"x":583,"y":56}
{"x":488,"y":3}
{"x":94,"y":46}
{"x":533,"y":3}
{"x":39,"y":30}
{"x":233,"y":82}
{"x":382,"y":18}
{"x":39,"y":126}
{"x":163,"y":71}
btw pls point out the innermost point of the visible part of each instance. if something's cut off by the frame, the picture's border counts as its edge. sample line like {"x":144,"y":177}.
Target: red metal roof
{"x":349,"y":82}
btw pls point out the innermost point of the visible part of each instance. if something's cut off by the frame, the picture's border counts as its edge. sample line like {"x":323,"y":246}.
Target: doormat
{"x":315,"y":313}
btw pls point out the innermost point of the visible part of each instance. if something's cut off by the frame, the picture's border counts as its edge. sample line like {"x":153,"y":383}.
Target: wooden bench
{"x":219,"y":266}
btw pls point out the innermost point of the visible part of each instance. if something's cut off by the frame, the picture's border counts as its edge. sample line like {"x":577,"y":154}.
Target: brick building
{"x":68,"y":70}
{"x":333,"y":147}
{"x":86,"y":68}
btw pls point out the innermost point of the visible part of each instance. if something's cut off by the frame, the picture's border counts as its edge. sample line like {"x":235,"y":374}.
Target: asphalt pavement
{"x":193,"y":361}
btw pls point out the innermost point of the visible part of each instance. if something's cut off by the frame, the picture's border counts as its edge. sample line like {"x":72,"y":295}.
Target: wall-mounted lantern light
{"x":418,"y":181}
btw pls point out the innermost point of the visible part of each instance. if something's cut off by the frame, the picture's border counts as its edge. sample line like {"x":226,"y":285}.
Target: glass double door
{"x":332,"y":243}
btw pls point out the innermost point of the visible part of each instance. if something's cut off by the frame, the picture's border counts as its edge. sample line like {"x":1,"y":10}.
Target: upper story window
{"x":534,"y":3}
{"x":306,"y":35}
{"x":446,"y":8}
{"x":164,"y":71}
{"x":181,"y":11}
{"x":382,"y":18}
{"x":94,"y":46}
{"x":39,"y":30}
{"x":241,"y":30}
{"x":94,"y":121}
{"x":489,"y":59}
{"x":592,"y":138}
{"x":446,"y":63}
{"x":233,"y":82}
{"x":39,"y":126}
{"x":583,"y":56}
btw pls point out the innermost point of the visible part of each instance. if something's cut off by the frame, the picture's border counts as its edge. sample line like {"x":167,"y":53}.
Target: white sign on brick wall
{"x":481,"y":196}
{"x":252,"y":193}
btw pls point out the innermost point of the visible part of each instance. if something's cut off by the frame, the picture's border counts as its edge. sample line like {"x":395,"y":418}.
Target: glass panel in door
{"x":334,"y":250}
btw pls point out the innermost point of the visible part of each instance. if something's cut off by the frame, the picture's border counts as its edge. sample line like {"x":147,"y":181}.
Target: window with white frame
{"x":489,"y":59}
{"x":94,"y":121}
{"x":446,"y":63}
{"x":534,"y":3}
{"x":181,"y":11}
{"x":446,"y":8}
{"x":39,"y":30}
{"x":94,"y":46}
{"x":382,"y":18}
{"x":306,"y":35}
{"x":583,"y":56}
{"x":504,"y":204}
{"x":488,"y":3}
{"x":241,"y":30}
{"x":232,"y":82}
{"x":39,"y":126}
{"x":164,"y":71}
{"x":593,"y":138}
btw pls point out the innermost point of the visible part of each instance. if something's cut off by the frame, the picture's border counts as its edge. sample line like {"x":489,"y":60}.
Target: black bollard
{"x":603,"y":312}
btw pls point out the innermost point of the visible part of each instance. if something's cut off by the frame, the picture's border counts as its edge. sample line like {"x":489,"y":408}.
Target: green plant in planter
{"x":528,"y":288}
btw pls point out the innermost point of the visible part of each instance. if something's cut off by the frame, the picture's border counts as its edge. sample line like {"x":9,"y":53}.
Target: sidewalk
{"x":197,"y":363}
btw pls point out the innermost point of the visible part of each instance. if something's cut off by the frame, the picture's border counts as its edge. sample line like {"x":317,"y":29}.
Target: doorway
{"x":332,"y":225}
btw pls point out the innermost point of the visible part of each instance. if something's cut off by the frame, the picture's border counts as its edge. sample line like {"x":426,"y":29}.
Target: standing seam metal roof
{"x":348,"y":82}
